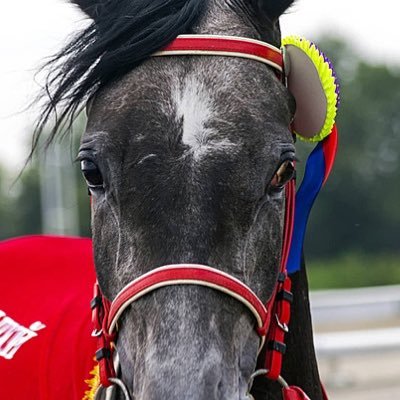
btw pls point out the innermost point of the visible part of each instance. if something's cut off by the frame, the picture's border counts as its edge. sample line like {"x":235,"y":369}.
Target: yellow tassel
{"x":93,"y":384}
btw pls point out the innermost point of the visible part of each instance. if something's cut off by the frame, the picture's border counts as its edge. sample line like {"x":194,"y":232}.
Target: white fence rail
{"x":353,"y":305}
{"x":357,"y":342}
{"x":333,"y":308}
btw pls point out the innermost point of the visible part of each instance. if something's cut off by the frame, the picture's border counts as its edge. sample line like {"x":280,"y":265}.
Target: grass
{"x":354,"y":270}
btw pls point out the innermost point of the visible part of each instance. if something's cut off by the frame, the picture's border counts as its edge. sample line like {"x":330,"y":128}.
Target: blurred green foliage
{"x":20,"y":198}
{"x":20,"y":204}
{"x":354,"y":231}
{"x":354,"y":270}
{"x":358,"y":210}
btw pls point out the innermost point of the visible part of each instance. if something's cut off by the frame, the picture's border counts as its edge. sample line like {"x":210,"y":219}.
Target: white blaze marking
{"x":194,"y":107}
{"x":13,"y":335}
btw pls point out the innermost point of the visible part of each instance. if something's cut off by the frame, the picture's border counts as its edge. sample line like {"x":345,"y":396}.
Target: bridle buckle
{"x":281,"y":325}
{"x":97,"y":332}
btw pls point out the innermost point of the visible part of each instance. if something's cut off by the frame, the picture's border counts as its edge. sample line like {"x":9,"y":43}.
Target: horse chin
{"x":208,"y":385}
{"x":206,"y":389}
{"x":209,"y":379}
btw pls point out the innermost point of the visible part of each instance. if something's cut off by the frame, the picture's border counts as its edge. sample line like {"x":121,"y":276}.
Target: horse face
{"x":181,"y":155}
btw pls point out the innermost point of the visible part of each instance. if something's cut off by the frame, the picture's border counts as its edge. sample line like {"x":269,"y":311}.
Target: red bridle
{"x":229,"y":46}
{"x":271,"y":319}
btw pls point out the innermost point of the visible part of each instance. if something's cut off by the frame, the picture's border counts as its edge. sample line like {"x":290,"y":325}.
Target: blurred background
{"x":353,"y":241}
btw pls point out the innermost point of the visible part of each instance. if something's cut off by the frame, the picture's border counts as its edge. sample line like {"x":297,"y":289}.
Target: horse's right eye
{"x":92,"y":174}
{"x":282,"y":176}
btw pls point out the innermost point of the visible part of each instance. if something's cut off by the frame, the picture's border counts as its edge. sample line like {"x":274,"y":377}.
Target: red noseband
{"x":187,"y":274}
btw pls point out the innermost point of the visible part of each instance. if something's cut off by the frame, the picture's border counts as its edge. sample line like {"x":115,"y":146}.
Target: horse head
{"x":186,"y":159}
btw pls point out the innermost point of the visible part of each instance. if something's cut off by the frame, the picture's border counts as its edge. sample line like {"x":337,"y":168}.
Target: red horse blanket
{"x":46,"y":350}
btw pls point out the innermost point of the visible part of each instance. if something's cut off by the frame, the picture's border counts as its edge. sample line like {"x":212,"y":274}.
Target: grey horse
{"x":186,"y":159}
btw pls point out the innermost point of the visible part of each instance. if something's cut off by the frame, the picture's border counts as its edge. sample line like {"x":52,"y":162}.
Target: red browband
{"x":271,"y":320}
{"x":230,"y":46}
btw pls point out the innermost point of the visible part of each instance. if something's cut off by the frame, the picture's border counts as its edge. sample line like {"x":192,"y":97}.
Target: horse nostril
{"x":219,"y":389}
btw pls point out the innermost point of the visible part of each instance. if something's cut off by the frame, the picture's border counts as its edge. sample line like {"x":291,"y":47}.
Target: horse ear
{"x":89,"y":7}
{"x":274,"y":8}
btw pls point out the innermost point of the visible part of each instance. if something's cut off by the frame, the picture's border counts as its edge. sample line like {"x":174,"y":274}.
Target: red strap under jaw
{"x":230,"y":46}
{"x":104,"y":354}
{"x":280,"y":302}
{"x":294,"y":393}
{"x":188,"y":274}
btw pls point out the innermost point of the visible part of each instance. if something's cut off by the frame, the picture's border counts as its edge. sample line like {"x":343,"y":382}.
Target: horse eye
{"x":91,"y":173}
{"x":283,"y":175}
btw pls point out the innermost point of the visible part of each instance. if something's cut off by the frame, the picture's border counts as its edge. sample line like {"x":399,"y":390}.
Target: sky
{"x":32,"y":30}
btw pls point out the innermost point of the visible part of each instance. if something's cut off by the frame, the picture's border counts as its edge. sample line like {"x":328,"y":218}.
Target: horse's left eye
{"x":283,"y":175}
{"x":92,"y":174}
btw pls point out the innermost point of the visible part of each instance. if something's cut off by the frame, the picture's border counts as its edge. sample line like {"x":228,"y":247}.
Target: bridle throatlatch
{"x":272,"y":319}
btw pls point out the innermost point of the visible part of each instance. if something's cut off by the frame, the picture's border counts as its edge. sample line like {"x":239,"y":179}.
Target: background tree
{"x":358,"y":210}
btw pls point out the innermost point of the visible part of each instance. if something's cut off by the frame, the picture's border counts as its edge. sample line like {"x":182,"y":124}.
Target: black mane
{"x":122,"y":35}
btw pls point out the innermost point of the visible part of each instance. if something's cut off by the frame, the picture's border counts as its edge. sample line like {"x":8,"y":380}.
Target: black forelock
{"x":123,"y":34}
